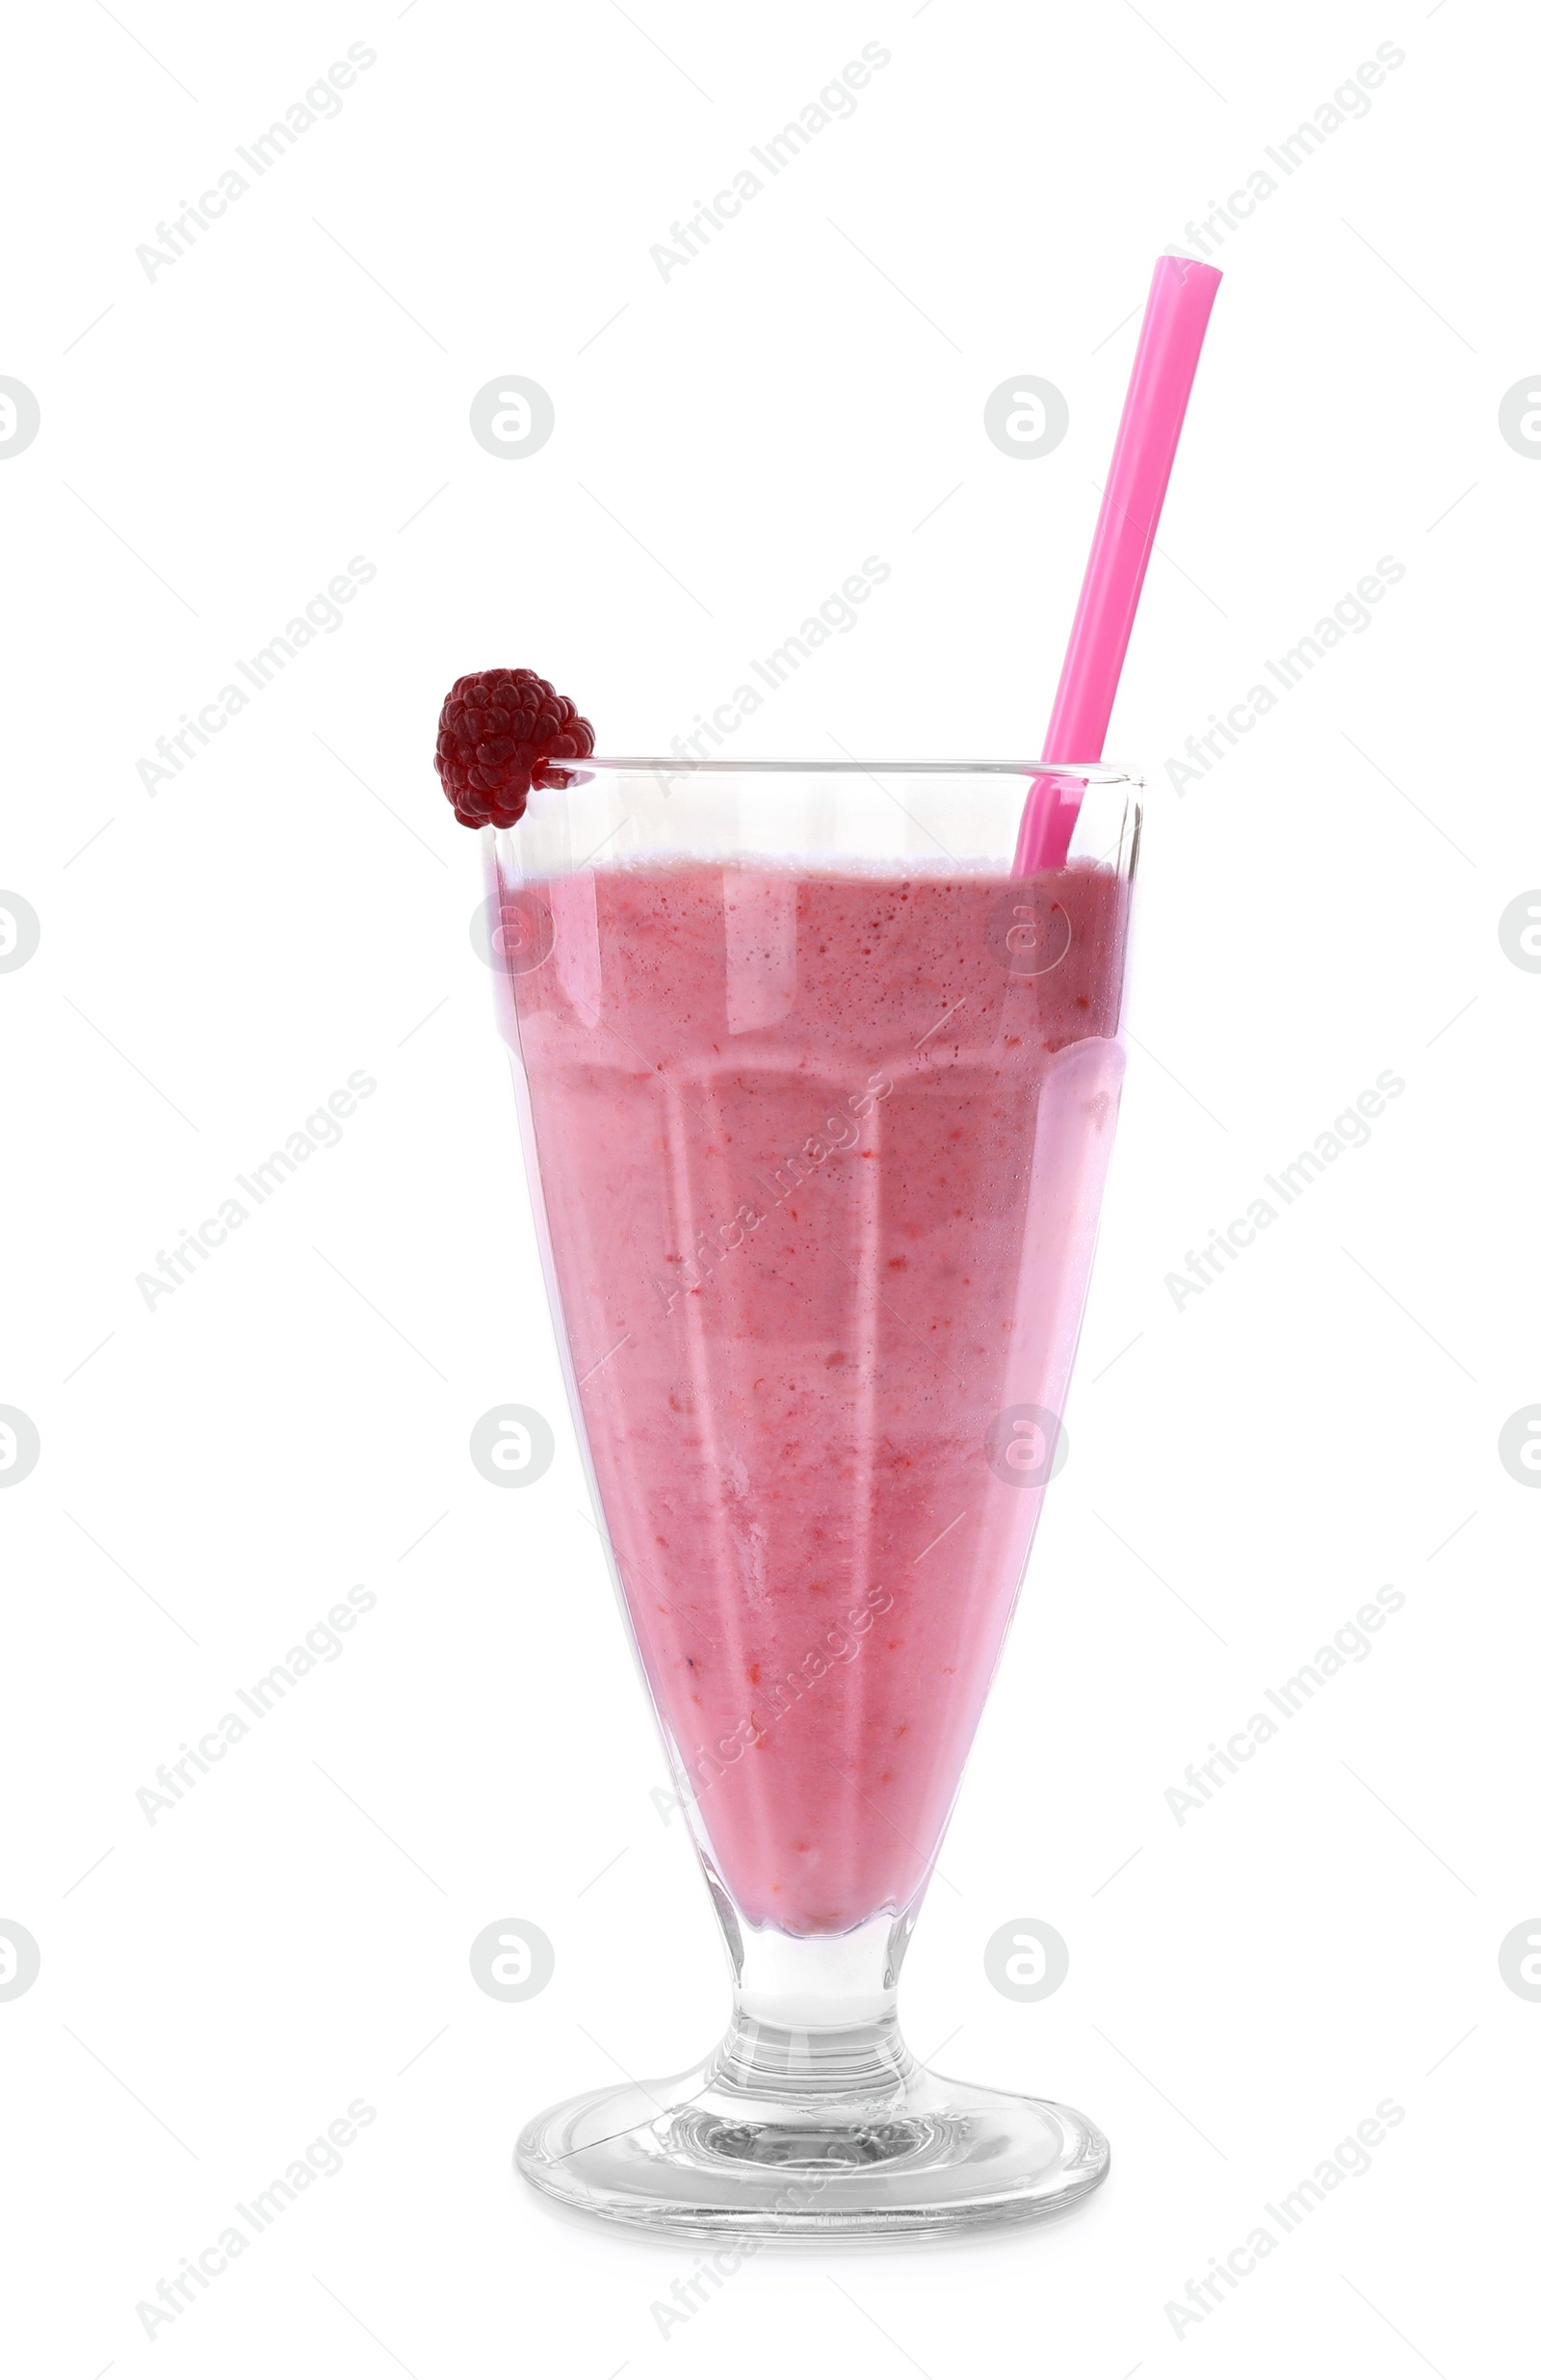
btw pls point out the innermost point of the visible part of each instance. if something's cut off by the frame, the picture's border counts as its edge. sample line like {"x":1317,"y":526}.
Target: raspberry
{"x":500,"y":730}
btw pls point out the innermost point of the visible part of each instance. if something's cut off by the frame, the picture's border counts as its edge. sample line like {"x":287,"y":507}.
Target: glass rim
{"x":1089,"y":771}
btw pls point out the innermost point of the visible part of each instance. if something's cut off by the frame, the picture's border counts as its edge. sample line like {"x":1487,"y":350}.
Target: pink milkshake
{"x":822,"y":1154}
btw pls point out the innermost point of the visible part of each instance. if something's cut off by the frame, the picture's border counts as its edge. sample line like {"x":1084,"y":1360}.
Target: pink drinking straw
{"x":1177,"y":314}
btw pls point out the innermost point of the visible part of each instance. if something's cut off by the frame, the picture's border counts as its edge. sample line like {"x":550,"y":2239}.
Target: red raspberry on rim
{"x":500,"y":731}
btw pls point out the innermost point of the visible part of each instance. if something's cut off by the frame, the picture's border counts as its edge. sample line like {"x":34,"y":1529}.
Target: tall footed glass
{"x":818,"y":1101}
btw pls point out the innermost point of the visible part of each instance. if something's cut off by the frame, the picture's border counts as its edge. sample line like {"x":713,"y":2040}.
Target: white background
{"x":217,"y":441}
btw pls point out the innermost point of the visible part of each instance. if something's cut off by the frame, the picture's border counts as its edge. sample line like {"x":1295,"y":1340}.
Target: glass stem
{"x":816,"y":2017}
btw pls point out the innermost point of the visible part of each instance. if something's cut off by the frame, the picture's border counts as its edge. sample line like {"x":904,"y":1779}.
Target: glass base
{"x":767,"y":2145}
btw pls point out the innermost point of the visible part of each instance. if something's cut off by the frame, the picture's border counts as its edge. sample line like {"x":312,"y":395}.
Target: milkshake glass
{"x":817,"y":1099}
